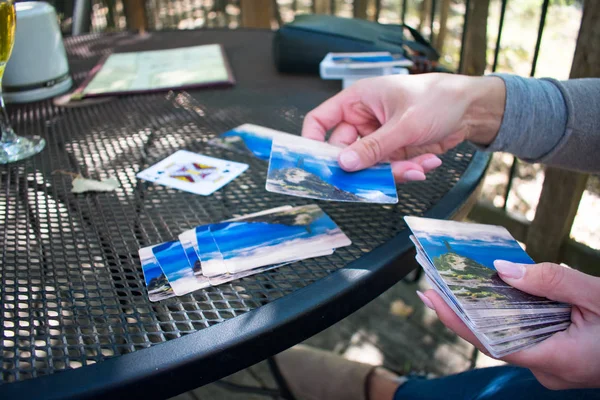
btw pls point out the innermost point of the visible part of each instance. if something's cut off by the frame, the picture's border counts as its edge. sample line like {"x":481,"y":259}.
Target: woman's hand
{"x":408,"y":119}
{"x":568,"y":359}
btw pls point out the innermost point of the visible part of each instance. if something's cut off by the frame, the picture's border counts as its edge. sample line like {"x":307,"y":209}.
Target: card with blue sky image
{"x":156,"y":281}
{"x":183,"y":276}
{"x":194,"y":173}
{"x":249,"y":139}
{"x":200,"y":244}
{"x":287,"y":235}
{"x":307,"y":168}
{"x":463,"y":255}
{"x":458,"y":261}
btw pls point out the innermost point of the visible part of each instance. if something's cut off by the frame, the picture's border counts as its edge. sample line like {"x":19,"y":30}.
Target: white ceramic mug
{"x":38,"y":67}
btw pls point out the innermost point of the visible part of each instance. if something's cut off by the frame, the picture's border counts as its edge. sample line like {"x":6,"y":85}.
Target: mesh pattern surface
{"x":72,"y":290}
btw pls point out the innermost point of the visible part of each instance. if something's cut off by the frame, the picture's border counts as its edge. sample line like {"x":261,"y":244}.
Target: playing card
{"x":463,"y":255}
{"x":156,"y":282}
{"x":346,"y":65}
{"x":198,"y":244}
{"x":458,"y":258}
{"x":219,"y":279}
{"x":308,"y":168}
{"x":283,"y":236}
{"x":249,"y":139}
{"x":182,"y":276}
{"x":193,"y":172}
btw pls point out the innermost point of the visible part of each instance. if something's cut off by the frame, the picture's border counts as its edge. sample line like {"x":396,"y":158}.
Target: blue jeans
{"x":506,"y":382}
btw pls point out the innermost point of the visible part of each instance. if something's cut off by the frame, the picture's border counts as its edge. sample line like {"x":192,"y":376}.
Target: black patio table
{"x":75,"y":319}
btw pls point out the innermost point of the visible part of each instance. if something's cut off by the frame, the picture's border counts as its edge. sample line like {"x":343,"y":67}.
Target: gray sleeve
{"x":552,"y":122}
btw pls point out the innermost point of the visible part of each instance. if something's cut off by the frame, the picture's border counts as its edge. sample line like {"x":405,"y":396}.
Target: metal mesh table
{"x":75,"y":318}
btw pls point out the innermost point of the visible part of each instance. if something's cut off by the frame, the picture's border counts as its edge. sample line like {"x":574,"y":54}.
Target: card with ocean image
{"x":249,"y":139}
{"x":308,"y":168}
{"x":183,"y":277}
{"x":463,"y":255}
{"x":287,"y":235}
{"x":157,"y":283}
{"x":198,"y":244}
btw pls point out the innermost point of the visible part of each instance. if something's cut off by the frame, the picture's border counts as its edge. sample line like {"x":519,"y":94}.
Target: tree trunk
{"x":322,"y":6}
{"x":424,"y":15}
{"x":441,"y":37}
{"x":135,"y":15}
{"x":360,"y":8}
{"x":256,"y":13}
{"x":563,"y":189}
{"x":475,"y":43}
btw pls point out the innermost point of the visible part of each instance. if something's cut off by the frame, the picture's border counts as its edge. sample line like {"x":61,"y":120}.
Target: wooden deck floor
{"x":384,"y":332}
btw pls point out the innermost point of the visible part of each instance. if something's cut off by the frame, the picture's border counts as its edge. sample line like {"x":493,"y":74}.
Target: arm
{"x":552,"y":122}
{"x":409,"y":119}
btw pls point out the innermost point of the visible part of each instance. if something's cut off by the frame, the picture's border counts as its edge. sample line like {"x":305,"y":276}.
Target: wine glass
{"x":12,"y":147}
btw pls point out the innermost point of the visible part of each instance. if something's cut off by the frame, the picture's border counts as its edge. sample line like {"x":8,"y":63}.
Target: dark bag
{"x":301,"y":45}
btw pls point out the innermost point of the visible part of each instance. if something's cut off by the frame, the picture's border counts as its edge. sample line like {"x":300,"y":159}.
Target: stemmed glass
{"x":12,"y":147}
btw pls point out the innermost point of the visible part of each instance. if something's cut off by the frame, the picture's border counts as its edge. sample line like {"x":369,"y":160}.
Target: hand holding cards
{"x":217,"y":253}
{"x":458,"y":260}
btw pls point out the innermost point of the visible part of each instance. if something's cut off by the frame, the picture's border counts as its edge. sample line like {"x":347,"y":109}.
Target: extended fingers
{"x":326,"y":116}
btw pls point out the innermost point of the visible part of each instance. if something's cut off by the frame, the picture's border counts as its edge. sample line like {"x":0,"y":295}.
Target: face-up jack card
{"x":193,"y":172}
{"x":156,"y":281}
{"x":308,"y":168}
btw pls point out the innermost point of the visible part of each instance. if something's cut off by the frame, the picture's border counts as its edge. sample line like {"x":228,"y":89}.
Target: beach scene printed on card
{"x":182,"y":276}
{"x":191,"y":172}
{"x":249,"y":139}
{"x":287,"y":235}
{"x":156,"y":281}
{"x":308,"y":168}
{"x":463,"y":255}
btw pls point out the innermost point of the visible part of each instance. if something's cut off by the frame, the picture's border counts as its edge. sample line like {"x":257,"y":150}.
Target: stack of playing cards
{"x":308,"y":168}
{"x":458,"y":260}
{"x":218,"y":253}
{"x":350,"y":67}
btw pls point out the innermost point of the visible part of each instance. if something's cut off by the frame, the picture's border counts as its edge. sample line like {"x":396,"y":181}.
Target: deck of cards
{"x":350,"y":67}
{"x":458,"y":260}
{"x":213,"y":254}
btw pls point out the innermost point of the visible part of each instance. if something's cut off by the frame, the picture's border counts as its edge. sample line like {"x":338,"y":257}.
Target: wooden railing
{"x":547,"y":236}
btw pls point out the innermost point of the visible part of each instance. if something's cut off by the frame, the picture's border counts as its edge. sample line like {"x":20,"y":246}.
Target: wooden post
{"x":360,"y":8}
{"x":563,"y":189}
{"x":322,"y":6}
{"x":475,"y":43}
{"x":424,"y":15}
{"x":256,"y":13}
{"x":135,"y":15}
{"x":441,"y":37}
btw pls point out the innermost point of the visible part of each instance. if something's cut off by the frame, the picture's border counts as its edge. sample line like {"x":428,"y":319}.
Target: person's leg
{"x":313,"y":374}
{"x":506,"y":382}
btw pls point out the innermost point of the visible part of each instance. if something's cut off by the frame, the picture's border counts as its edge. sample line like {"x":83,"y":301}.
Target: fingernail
{"x":509,"y":270}
{"x":414,"y":175}
{"x":431,"y":163}
{"x":350,"y":160}
{"x":425,"y":300}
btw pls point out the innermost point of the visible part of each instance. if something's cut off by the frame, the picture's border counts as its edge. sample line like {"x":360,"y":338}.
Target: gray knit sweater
{"x":552,"y":122}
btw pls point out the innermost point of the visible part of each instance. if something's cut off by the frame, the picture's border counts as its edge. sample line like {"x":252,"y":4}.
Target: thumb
{"x":552,"y":281}
{"x":372,"y":149}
